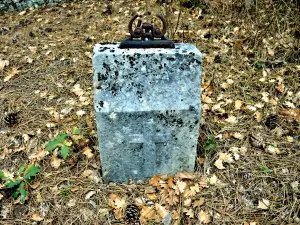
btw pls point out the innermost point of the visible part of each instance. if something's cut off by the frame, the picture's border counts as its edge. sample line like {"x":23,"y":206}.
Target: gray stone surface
{"x":147,"y":104}
{"x":17,"y":5}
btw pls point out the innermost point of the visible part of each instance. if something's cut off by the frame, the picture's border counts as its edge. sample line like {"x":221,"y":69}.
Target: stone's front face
{"x":147,"y":104}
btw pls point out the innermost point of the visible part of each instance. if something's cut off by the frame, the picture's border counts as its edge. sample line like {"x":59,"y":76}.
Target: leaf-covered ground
{"x":248,"y":154}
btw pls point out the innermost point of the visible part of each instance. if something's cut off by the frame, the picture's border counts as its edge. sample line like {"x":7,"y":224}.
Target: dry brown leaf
{"x":80,"y":113}
{"x":89,"y":194}
{"x":151,"y":196}
{"x":172,"y":198}
{"x":231,"y":119}
{"x":204,"y":217}
{"x":225,"y":157}
{"x":291,"y":114}
{"x":148,"y":213}
{"x":199,"y":202}
{"x":171,"y":182}
{"x":280,"y":88}
{"x":77,"y":90}
{"x":185,"y":175}
{"x":71,"y":203}
{"x":155,"y":180}
{"x":118,"y":213}
{"x":36,"y":217}
{"x":55,"y":162}
{"x":258,"y":116}
{"x":32,"y":49}
{"x":40,"y":154}
{"x":87,"y":151}
{"x":187,"y":202}
{"x":189,"y":212}
{"x":161,"y":210}
{"x":35,"y":185}
{"x":181,"y":186}
{"x":3,"y":63}
{"x":238,"y":104}
{"x":92,"y":175}
{"x":219,"y":164}
{"x":263,"y":204}
{"x":11,"y":73}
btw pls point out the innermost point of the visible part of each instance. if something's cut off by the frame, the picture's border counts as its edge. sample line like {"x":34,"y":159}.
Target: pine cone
{"x":11,"y":119}
{"x":132,"y":213}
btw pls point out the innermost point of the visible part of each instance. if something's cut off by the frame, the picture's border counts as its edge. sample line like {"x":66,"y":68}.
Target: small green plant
{"x":264,"y":169}
{"x":65,"y":192}
{"x":209,"y":145}
{"x":60,"y":141}
{"x":19,"y":185}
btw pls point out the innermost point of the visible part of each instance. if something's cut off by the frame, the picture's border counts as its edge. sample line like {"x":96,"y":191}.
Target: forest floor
{"x":248,"y":169}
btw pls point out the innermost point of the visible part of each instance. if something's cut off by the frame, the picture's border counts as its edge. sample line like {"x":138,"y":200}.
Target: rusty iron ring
{"x":138,"y":31}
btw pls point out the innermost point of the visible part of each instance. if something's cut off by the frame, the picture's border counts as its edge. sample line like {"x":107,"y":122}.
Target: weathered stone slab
{"x":147,"y":104}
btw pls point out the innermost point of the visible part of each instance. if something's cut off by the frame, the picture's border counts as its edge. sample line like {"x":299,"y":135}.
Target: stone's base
{"x":138,"y":145}
{"x":147,"y":104}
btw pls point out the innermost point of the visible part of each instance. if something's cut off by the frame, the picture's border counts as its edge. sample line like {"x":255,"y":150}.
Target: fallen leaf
{"x":11,"y":73}
{"x":155,"y":180}
{"x":258,"y":116}
{"x":80,"y":113}
{"x":148,"y":213}
{"x":92,"y":175}
{"x":187,"y":202}
{"x":263,"y":204}
{"x":161,"y":210}
{"x":22,"y":13}
{"x":231,"y":119}
{"x":71,"y":203}
{"x":219,"y":164}
{"x":87,"y":151}
{"x":199,"y":202}
{"x":189,"y":212}
{"x":272,"y":149}
{"x":238,"y":135}
{"x":55,"y":162}
{"x":89,"y":194}
{"x":28,"y":59}
{"x":225,"y":157}
{"x":185,"y":175}
{"x":120,"y":203}
{"x":181,"y":186}
{"x":291,"y":114}
{"x":40,"y":154}
{"x":32,"y":49}
{"x":238,"y":104}
{"x":77,"y":90}
{"x":280,"y":88}
{"x":214,"y":179}
{"x":171,"y":182}
{"x":3,"y":63}
{"x":204,"y":217}
{"x":89,"y":55}
{"x":36,"y":217}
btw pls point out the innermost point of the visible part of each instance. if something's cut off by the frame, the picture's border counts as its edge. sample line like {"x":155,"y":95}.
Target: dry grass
{"x":71,"y":30}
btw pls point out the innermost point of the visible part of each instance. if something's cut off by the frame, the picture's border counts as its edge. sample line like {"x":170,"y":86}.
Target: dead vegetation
{"x":248,"y":154}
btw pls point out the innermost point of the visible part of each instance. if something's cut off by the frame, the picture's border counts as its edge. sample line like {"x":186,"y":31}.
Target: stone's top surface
{"x":130,"y":80}
{"x":181,"y":48}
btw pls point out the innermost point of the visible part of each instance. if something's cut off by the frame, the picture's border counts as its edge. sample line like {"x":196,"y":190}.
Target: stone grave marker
{"x":147,"y":103}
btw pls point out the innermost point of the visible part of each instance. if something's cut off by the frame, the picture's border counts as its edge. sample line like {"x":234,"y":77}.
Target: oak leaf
{"x":155,"y":180}
{"x":185,"y":175}
{"x":204,"y":217}
{"x":189,"y":212}
{"x":161,"y":210}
